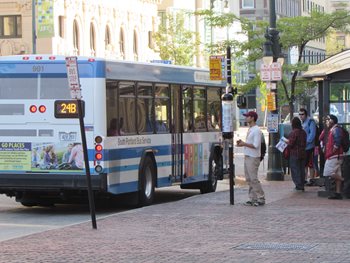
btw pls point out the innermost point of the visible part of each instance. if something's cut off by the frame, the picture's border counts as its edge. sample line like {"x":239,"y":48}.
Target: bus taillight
{"x":98,"y":156}
{"x":42,"y":108}
{"x":98,"y":148}
{"x":33,"y":108}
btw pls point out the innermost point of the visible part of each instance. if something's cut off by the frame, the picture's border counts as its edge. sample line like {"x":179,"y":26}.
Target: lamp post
{"x":272,"y":54}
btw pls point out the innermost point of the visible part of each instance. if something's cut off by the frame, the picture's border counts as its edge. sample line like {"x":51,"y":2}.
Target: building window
{"x":76,"y":40}
{"x":248,"y":4}
{"x":135,"y":47}
{"x":122,"y":43}
{"x":10,"y":26}
{"x":61,"y":26}
{"x":92,"y":39}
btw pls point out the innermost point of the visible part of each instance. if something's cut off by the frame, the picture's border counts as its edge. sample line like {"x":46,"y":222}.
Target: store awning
{"x":336,"y":63}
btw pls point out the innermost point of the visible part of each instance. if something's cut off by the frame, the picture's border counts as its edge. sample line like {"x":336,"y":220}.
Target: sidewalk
{"x":291,"y":227}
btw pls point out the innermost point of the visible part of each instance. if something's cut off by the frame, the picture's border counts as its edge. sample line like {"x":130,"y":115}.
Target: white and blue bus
{"x":147,"y":126}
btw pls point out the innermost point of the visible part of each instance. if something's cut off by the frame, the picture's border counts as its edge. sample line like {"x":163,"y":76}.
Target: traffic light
{"x":241,"y":102}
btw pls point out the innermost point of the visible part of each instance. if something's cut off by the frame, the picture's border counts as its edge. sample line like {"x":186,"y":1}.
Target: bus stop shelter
{"x":333,"y":79}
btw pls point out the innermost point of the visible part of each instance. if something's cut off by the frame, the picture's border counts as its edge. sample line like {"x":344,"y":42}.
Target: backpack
{"x":318,"y":132}
{"x":345,"y":142}
{"x":262,"y":147}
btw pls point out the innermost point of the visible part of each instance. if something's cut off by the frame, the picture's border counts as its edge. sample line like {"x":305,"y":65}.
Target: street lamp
{"x":272,"y":54}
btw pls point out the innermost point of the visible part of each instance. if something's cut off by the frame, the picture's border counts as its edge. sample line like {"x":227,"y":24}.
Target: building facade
{"x":103,"y":28}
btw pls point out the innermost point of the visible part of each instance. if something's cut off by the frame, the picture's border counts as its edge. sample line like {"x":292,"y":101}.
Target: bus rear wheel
{"x":215,"y":171}
{"x":147,"y":182}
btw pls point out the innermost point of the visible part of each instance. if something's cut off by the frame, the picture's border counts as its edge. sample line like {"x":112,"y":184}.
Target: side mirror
{"x":241,"y":102}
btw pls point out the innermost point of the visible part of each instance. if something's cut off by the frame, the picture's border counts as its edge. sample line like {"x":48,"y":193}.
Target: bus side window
{"x":199,"y":108}
{"x":213,"y":108}
{"x":126,"y":107}
{"x":187,"y":109}
{"x":115,"y":127}
{"x":145,"y":117}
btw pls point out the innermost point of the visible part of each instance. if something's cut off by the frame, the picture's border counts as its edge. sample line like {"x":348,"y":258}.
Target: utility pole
{"x":274,"y":172}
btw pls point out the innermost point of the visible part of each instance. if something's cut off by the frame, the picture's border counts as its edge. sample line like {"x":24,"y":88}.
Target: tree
{"x":294,"y":32}
{"x":174,"y":42}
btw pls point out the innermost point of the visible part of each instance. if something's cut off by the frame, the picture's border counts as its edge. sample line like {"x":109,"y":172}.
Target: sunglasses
{"x":301,"y":114}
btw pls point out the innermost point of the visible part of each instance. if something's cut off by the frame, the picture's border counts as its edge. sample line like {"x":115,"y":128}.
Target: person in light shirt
{"x":252,"y":160}
{"x":76,"y":157}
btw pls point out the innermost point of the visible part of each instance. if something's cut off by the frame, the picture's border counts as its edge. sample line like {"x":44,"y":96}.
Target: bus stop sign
{"x":73,"y":77}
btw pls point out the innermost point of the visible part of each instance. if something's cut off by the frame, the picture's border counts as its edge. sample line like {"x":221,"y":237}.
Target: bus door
{"x":176,"y":133}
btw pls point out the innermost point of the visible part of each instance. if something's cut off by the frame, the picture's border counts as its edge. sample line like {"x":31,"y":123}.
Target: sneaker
{"x":311,"y":183}
{"x":251,"y":203}
{"x":261,"y":202}
{"x":336,"y":196}
{"x":299,"y":189}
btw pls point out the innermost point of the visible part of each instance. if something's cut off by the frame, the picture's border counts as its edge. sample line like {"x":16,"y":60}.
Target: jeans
{"x":297,"y":168}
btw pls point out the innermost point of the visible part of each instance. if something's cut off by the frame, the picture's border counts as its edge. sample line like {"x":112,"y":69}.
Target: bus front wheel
{"x":147,"y":182}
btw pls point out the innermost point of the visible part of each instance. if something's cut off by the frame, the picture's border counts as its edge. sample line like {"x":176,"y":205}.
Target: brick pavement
{"x":291,"y":227}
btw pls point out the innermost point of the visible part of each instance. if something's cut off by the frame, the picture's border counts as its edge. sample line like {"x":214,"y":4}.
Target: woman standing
{"x":297,"y":143}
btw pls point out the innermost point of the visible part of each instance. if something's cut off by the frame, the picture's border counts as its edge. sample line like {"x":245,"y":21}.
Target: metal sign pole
{"x":87,"y":166}
{"x":227,"y":122}
{"x":75,"y":90}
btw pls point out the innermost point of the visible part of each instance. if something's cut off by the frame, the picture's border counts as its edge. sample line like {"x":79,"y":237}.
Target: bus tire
{"x":215,"y":171}
{"x":28,"y":204}
{"x":147,"y":182}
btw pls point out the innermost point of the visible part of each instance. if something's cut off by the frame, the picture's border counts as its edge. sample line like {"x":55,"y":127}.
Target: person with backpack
{"x":296,"y":144}
{"x":334,"y":154}
{"x":309,"y":126}
{"x":252,"y":156}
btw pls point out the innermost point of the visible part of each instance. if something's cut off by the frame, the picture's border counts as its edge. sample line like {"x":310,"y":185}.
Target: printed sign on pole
{"x":265,"y":73}
{"x":276,"y":71}
{"x":271,"y":101}
{"x":73,"y":77}
{"x":215,"y":66}
{"x":271,"y":86}
{"x":272,"y":122}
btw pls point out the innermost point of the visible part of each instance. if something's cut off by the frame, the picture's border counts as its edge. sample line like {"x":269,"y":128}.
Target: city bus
{"x":147,"y":126}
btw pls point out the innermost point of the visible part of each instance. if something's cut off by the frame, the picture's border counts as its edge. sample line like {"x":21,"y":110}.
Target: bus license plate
{"x":68,"y":137}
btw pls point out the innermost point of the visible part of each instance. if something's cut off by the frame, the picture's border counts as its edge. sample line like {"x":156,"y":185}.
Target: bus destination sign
{"x":68,"y":109}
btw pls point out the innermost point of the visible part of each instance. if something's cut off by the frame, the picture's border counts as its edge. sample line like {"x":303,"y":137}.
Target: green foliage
{"x":293,"y":32}
{"x":333,"y":46}
{"x":174,"y":42}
